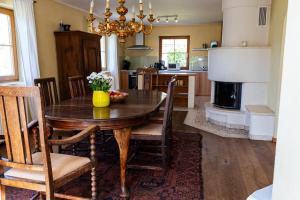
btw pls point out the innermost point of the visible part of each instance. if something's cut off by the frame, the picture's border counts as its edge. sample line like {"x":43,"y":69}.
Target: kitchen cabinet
{"x":124,"y":80}
{"x":203,"y":85}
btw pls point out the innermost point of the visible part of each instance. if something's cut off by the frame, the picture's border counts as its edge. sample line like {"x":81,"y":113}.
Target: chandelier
{"x":121,"y":27}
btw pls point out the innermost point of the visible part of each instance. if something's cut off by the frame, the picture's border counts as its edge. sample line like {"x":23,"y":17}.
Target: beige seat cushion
{"x":61,"y":165}
{"x":148,"y":129}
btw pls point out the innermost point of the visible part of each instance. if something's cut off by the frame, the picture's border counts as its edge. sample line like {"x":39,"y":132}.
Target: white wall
{"x":277,"y":35}
{"x":239,"y":64}
{"x":240,"y":23}
{"x":287,"y":163}
{"x":254,"y":94}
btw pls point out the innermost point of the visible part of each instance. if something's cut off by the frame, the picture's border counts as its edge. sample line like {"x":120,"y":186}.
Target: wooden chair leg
{"x":93,"y":170}
{"x":74,"y":149}
{"x":2,"y":192}
{"x":164,"y":159}
{"x":59,"y":147}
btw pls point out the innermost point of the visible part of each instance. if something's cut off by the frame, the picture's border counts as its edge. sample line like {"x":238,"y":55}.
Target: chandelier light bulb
{"x":167,"y":20}
{"x":176,"y":19}
{"x":158,"y":20}
{"x":133,"y":12}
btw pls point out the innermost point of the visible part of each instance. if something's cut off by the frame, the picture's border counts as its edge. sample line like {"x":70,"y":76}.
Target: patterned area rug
{"x":182,"y":181}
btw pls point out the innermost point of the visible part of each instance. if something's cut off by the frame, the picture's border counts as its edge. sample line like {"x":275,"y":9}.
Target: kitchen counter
{"x":180,"y":72}
{"x":190,"y":83}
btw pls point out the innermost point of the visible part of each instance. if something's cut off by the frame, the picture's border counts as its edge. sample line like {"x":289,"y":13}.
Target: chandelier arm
{"x":149,"y":30}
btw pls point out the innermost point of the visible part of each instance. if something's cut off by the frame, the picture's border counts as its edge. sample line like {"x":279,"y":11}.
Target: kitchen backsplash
{"x":141,"y":61}
{"x":196,"y":62}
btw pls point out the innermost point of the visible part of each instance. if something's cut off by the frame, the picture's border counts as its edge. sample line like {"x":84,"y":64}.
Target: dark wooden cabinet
{"x":78,"y":53}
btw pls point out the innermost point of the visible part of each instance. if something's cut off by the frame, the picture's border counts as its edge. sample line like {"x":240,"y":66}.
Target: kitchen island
{"x":185,"y":86}
{"x":190,"y":84}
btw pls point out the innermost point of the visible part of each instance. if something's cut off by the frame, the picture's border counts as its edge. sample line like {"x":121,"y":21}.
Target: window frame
{"x":187,"y":37}
{"x":15,"y":77}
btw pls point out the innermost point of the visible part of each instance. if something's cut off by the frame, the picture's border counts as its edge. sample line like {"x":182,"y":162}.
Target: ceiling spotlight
{"x":158,"y":20}
{"x":176,"y":19}
{"x":167,"y":20}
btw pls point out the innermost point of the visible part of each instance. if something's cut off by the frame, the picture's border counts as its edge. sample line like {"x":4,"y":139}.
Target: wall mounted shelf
{"x":199,"y":49}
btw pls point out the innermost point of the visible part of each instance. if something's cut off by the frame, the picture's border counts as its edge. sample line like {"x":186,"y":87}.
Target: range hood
{"x":139,"y":43}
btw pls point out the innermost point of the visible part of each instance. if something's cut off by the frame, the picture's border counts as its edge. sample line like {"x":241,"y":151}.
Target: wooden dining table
{"x":79,"y":113}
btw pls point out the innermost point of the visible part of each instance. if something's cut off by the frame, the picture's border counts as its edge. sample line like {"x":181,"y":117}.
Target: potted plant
{"x":100,"y":83}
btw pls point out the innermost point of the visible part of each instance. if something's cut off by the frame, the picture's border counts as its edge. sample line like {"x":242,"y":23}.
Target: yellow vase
{"x":101,"y":99}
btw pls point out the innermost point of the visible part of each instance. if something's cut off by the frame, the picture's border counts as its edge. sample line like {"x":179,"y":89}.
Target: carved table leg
{"x":93,"y":171}
{"x":123,"y":138}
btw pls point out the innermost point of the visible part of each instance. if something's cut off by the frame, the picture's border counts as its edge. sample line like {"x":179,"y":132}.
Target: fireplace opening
{"x":228,"y":95}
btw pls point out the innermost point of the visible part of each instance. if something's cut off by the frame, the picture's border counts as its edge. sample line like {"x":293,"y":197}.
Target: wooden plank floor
{"x":232,"y":168}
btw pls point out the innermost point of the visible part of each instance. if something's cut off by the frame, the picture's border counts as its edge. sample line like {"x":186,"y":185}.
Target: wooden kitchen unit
{"x":200,"y":86}
{"x":203,"y":85}
{"x":124,"y":80}
{"x":181,"y":89}
{"x":185,"y":86}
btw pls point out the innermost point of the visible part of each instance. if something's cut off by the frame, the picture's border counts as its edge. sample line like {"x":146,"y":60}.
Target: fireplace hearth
{"x":228,"y":95}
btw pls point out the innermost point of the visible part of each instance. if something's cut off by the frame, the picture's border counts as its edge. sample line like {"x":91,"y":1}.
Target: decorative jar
{"x":101,"y":99}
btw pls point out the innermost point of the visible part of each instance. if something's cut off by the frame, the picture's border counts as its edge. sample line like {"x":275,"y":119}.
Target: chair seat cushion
{"x":148,"y":129}
{"x":61,"y":165}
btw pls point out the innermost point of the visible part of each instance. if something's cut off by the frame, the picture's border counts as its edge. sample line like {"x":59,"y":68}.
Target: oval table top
{"x":79,"y":113}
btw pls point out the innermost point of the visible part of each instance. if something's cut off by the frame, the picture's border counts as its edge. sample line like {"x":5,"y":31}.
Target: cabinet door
{"x":91,"y":56}
{"x":203,"y":85}
{"x":124,"y":80}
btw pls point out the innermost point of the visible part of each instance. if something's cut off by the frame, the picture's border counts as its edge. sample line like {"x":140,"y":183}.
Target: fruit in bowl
{"x":117,"y":96}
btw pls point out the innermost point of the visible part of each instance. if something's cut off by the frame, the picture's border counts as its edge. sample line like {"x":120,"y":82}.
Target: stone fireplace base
{"x":224,"y":117}
{"x":257,"y":119}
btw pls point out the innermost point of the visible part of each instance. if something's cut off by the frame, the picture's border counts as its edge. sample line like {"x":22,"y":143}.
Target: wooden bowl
{"x":117,"y":97}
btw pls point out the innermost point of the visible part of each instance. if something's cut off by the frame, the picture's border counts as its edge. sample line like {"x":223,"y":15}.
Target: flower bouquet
{"x":100,"y":83}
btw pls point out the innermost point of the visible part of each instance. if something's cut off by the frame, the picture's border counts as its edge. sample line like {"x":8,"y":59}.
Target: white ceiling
{"x":189,"y":11}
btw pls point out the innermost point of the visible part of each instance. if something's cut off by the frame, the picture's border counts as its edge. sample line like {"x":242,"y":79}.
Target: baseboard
{"x":260,"y":137}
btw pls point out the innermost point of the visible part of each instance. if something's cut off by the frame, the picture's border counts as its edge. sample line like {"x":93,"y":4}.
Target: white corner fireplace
{"x":240,"y":74}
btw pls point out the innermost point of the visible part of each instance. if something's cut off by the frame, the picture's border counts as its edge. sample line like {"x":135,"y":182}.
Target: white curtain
{"x":26,"y":44}
{"x":112,"y":60}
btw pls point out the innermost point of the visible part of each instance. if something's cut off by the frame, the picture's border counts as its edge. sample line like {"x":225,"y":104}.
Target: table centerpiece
{"x":100,"y":83}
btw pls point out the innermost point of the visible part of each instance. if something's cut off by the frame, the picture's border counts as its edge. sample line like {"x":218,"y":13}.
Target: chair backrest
{"x":49,"y":90}
{"x":167,"y":121}
{"x":77,"y":86}
{"x":13,"y":101}
{"x":147,"y":74}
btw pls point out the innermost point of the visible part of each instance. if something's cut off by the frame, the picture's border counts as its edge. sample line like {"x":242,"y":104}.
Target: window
{"x":103,"y":53}
{"x":174,"y":49}
{"x":8,"y":51}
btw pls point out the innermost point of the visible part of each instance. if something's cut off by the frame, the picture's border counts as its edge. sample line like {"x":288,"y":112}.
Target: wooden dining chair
{"x":77,"y":86}
{"x":49,"y":92}
{"x":41,"y":171}
{"x":145,"y":78}
{"x":156,"y":132}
